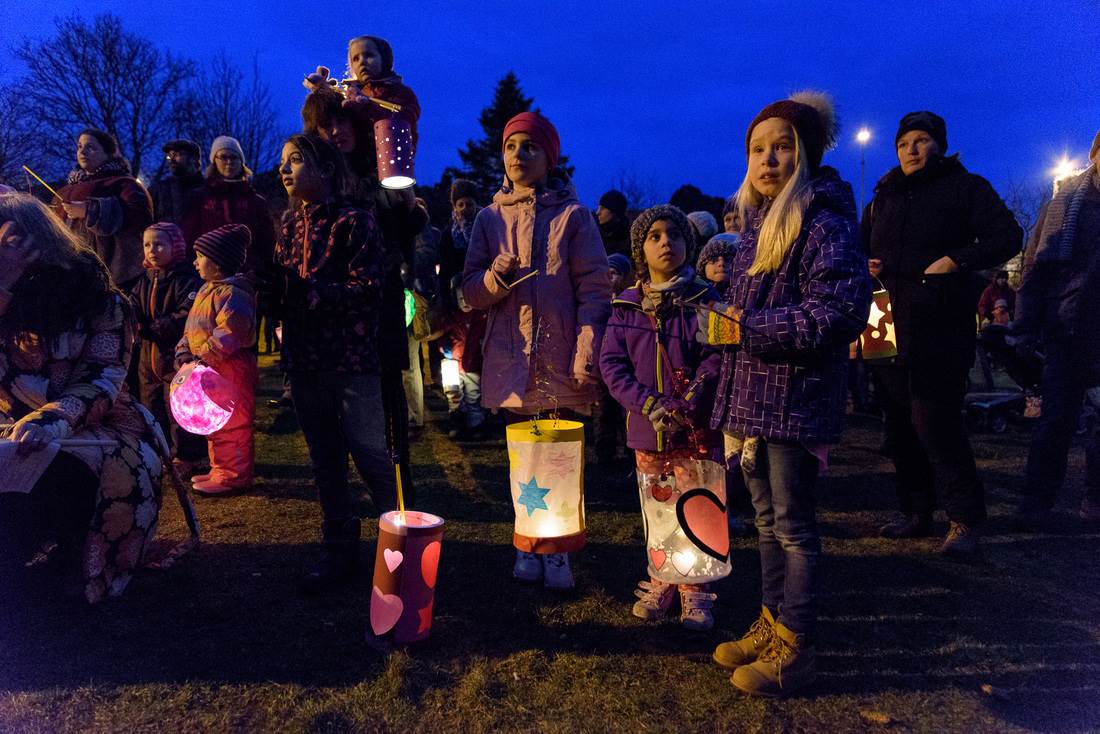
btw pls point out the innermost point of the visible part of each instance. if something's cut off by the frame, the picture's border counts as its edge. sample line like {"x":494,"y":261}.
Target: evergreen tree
{"x":482,"y":162}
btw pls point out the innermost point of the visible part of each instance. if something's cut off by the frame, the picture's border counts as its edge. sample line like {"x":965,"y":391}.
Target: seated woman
{"x":62,"y":373}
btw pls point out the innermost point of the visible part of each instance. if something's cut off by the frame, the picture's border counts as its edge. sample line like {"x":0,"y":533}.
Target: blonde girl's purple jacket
{"x":547,"y":328}
{"x":787,"y":380}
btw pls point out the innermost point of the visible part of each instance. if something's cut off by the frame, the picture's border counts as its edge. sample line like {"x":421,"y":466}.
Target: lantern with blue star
{"x":546,"y":459}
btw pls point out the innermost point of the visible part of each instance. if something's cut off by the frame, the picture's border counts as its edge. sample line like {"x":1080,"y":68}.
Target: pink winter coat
{"x":557,"y":317}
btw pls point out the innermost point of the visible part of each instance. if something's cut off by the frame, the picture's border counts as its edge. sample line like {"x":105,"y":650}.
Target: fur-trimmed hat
{"x":462,"y":188}
{"x":720,"y":245}
{"x":541,"y":130}
{"x":928,"y":122}
{"x":175,"y":236}
{"x":813,"y":118}
{"x":645,"y":220}
{"x":1095,"y":146}
{"x":227,"y":246}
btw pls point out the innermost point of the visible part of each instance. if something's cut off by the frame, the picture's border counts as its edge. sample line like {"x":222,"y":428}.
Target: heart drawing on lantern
{"x":393,"y":558}
{"x":385,"y":610}
{"x":429,"y":563}
{"x":657,"y":557}
{"x":683,"y":562}
{"x":702,"y":517}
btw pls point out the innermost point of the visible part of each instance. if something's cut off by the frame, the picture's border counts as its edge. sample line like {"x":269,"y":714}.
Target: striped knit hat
{"x":227,"y":246}
{"x":645,"y":220}
{"x":175,"y":236}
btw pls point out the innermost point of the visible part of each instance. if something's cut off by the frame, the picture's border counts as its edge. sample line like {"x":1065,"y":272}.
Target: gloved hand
{"x":719,"y":324}
{"x":667,"y":414}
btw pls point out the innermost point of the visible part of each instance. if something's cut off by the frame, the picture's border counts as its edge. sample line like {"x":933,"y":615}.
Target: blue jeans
{"x":339,"y":414}
{"x":782,"y":489}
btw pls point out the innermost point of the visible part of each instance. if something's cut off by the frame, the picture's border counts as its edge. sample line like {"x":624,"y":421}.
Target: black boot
{"x":339,"y":563}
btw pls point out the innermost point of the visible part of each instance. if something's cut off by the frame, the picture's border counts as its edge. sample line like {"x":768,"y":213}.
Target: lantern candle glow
{"x":450,"y":373}
{"x":546,"y":459}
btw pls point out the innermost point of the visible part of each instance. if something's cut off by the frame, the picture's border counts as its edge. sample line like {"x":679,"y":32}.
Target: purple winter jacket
{"x":635,"y":374}
{"x":787,"y":379}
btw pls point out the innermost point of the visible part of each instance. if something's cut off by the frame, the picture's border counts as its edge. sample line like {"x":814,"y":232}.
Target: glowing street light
{"x":862,"y":137}
{"x":1063,"y":169}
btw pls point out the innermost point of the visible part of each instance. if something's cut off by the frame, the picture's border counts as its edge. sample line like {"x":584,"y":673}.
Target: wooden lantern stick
{"x":39,"y":178}
{"x":400,"y":491}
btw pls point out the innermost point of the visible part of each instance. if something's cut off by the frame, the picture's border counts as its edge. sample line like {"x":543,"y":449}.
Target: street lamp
{"x":1062,"y":170}
{"x":862,"y":137}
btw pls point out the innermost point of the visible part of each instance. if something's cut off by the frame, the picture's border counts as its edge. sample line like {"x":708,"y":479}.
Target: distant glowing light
{"x":863,"y":136}
{"x":1064,"y":168}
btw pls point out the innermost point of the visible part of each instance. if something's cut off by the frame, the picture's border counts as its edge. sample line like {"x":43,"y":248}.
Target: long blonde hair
{"x":783,"y":220}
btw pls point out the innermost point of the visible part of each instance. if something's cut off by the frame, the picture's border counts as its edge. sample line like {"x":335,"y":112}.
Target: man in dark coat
{"x":929,"y":228}
{"x":613,"y":222}
{"x":1058,"y":303}
{"x":170,"y":194}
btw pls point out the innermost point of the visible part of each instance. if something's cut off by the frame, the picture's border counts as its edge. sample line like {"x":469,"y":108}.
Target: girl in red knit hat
{"x":536,"y":262}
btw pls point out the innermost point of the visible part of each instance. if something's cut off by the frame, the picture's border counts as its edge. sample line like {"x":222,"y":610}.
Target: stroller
{"x":989,"y":408}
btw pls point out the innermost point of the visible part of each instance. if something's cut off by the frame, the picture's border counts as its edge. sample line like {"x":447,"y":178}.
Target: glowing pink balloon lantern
{"x":202,"y":400}
{"x":394,"y":145}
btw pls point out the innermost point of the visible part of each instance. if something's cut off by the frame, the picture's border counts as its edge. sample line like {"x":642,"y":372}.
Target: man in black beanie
{"x":613,"y":222}
{"x":170,"y":194}
{"x":931,"y":226}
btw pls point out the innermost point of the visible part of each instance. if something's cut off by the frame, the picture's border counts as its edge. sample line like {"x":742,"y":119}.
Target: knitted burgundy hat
{"x":175,"y":236}
{"x":227,"y":246}
{"x":541,"y":131}
{"x":811,"y":114}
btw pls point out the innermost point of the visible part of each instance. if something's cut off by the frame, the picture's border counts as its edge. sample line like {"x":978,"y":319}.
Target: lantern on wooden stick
{"x":393,"y":143}
{"x":879,"y":340}
{"x":202,"y":401}
{"x":406,"y":566}
{"x":684,"y":515}
{"x":546,"y":460}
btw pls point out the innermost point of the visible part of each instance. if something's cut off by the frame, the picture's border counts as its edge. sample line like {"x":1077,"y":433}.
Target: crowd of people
{"x":674,"y":339}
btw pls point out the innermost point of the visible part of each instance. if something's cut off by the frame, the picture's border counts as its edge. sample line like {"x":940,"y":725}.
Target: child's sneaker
{"x":558,"y":575}
{"x":695,"y":604}
{"x":528,"y":566}
{"x":654,"y":599}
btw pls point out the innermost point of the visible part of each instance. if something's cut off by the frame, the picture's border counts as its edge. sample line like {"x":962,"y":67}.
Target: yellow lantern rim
{"x":546,"y":430}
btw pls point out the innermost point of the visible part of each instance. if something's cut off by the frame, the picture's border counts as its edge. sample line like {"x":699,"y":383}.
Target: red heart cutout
{"x":660,"y":492}
{"x":429,"y":563}
{"x":703,"y":519}
{"x":657,"y":557}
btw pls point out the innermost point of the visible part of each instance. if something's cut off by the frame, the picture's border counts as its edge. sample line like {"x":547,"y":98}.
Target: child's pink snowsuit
{"x":221,"y":331}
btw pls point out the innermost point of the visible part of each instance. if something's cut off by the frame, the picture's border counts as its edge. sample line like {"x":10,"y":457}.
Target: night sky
{"x":665,"y":94}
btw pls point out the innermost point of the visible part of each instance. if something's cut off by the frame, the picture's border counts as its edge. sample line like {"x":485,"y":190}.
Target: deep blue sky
{"x":665,"y":93}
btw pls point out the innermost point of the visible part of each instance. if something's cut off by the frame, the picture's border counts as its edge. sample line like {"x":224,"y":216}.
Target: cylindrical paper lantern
{"x":202,"y":401}
{"x":684,"y":515}
{"x":405,"y":569}
{"x":878,"y":340}
{"x":546,"y":458}
{"x":394,"y":145}
{"x":450,"y":373}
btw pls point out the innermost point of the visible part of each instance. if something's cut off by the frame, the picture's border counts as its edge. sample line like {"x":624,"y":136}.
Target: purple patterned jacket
{"x":787,"y":380}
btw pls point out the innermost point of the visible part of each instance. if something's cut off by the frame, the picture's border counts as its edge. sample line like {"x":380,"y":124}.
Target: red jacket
{"x":219,"y":202}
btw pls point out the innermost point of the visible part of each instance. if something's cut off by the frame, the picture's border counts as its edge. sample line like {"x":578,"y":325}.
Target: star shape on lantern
{"x":558,"y":464}
{"x":532,"y":496}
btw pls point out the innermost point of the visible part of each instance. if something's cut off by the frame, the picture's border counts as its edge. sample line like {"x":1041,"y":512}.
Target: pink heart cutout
{"x":429,"y":563}
{"x":657,"y":558}
{"x":703,"y":518}
{"x":385,"y":610}
{"x":393,"y":558}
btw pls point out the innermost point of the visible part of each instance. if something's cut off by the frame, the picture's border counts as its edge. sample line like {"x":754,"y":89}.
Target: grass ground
{"x":909,"y":641}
